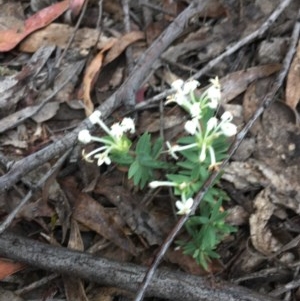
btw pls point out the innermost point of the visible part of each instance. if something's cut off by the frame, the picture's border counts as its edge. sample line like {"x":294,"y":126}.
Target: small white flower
{"x":228,"y":129}
{"x":84,"y":136}
{"x":183,"y":185}
{"x":213,"y":104}
{"x":202,"y":156}
{"x":184,"y":207}
{"x":181,"y":99}
{"x":128,"y":125}
{"x":86,"y":157}
{"x":212,"y":156}
{"x":117,"y":130}
{"x":191,"y":126}
{"x":177,"y":148}
{"x":226,"y":116}
{"x":172,"y":150}
{"x":103,"y":158}
{"x":177,"y":84}
{"x":215,"y":82}
{"x":211,"y":124}
{"x":214,"y":93}
{"x":155,"y":184}
{"x":190,"y":86}
{"x":195,"y":110}
{"x":94,"y":117}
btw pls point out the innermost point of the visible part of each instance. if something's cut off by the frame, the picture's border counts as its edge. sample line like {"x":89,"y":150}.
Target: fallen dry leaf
{"x":76,"y":6}
{"x":122,"y":44}
{"x":292,"y":91}
{"x":59,"y":34}
{"x":9,"y":38}
{"x":8,"y":268}
{"x":90,"y":76}
{"x":46,"y":113}
{"x":74,"y":288}
{"x":154,"y":29}
{"x":261,"y":235}
{"x":186,"y":262}
{"x":237,"y":82}
{"x":151,"y":225}
{"x":93,"y":215}
{"x":252,"y":99}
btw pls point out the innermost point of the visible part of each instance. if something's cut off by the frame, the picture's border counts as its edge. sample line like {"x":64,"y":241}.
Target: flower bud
{"x":84,"y":136}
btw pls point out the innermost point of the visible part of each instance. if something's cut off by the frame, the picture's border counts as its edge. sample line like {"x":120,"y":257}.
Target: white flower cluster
{"x":204,"y":134}
{"x":115,"y":132}
{"x":184,"y":96}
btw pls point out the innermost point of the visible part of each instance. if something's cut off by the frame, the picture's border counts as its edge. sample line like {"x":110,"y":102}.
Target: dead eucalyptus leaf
{"x":261,"y":235}
{"x":292,"y":91}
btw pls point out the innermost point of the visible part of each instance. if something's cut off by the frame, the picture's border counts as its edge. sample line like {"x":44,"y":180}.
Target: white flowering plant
{"x":191,"y":159}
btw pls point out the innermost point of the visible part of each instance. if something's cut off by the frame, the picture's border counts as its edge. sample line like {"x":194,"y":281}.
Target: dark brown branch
{"x":165,"y":283}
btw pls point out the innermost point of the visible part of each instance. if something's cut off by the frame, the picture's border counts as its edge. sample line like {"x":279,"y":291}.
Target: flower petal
{"x":155,"y":184}
{"x":190,"y":86}
{"x":191,"y":126}
{"x":117,"y":130}
{"x":202,"y":156}
{"x":177,"y":84}
{"x":184,"y":207}
{"x":228,"y":129}
{"x":226,"y":116}
{"x":84,"y":136}
{"x":195,"y":110}
{"x":189,"y":203}
{"x":179,"y":205}
{"x":95,"y":116}
{"x":211,"y":124}
{"x":103,"y":158}
{"x":128,"y":125}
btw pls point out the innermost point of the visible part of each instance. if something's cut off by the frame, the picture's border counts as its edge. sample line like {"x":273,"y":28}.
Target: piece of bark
{"x":165,"y":283}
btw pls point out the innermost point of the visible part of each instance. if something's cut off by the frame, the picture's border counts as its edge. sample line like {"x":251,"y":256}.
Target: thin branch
{"x":71,"y":39}
{"x":166,"y":283}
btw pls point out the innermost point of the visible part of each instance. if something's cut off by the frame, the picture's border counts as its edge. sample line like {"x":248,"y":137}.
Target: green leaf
{"x":177,"y":178}
{"x":122,"y":159}
{"x":187,"y":140}
{"x":146,"y":160}
{"x":144,"y":145}
{"x":157,"y":148}
{"x":133,"y":169}
{"x":187,"y":165}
